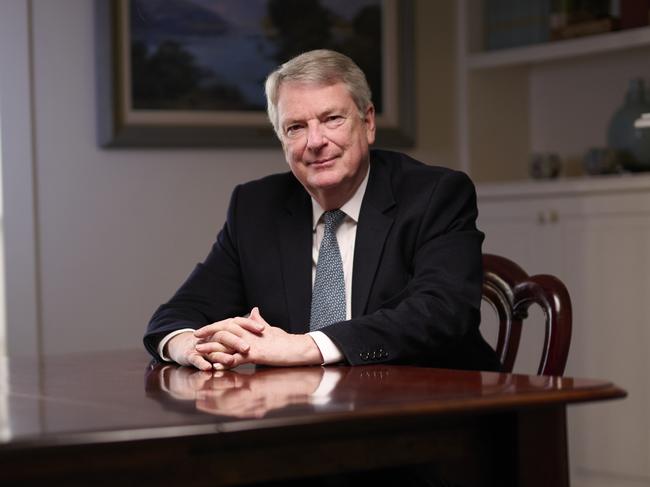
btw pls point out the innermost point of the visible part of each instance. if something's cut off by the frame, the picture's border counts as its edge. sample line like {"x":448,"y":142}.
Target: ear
{"x":369,"y":121}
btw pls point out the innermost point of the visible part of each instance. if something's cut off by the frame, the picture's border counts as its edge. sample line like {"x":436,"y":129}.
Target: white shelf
{"x":559,"y":50}
{"x":615,"y":183}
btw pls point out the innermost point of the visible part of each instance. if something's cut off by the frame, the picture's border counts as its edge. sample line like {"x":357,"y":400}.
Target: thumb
{"x":255,"y":314}
{"x":257,"y":318}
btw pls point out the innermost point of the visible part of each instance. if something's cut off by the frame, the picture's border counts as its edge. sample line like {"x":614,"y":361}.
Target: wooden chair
{"x":511,"y":291}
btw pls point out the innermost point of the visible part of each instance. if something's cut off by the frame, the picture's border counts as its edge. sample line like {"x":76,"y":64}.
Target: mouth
{"x":321,"y":162}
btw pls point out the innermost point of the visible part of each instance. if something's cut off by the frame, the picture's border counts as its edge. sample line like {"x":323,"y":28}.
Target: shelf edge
{"x":559,"y":50}
{"x":620,"y":183}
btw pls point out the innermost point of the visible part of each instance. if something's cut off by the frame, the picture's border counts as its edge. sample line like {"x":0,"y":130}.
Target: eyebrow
{"x":328,"y":111}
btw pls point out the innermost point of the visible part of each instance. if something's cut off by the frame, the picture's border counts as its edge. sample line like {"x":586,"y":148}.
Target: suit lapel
{"x":374,"y":224}
{"x":295,"y":234}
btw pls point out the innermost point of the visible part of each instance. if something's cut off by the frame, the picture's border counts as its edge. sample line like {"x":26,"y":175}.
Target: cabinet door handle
{"x":544,"y":217}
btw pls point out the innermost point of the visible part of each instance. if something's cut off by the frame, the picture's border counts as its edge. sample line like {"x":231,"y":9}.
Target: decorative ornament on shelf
{"x":545,"y":165}
{"x":631,"y":142}
{"x":602,"y":160}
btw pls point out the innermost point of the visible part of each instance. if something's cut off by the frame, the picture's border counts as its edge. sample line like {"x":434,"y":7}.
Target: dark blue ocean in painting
{"x":215,"y":54}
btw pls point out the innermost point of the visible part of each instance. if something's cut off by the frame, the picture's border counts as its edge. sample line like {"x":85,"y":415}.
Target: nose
{"x":315,"y":137}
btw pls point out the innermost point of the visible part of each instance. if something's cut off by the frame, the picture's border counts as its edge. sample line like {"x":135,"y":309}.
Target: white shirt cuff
{"x":330,"y":352}
{"x":163,"y":342}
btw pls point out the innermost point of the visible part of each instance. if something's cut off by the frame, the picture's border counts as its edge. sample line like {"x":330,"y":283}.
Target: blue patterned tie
{"x":328,"y":295}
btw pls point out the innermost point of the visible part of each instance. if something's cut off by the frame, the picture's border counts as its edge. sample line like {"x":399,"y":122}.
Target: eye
{"x":333,"y":121}
{"x":293,"y":130}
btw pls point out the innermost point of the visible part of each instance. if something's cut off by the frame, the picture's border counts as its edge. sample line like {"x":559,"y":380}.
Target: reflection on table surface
{"x":244,"y":392}
{"x":250,"y":392}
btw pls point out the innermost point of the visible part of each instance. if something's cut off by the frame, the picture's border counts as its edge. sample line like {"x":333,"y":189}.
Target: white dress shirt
{"x":346,"y":235}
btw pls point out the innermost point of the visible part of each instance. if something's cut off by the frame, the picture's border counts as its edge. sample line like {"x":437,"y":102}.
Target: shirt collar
{"x":351,"y":208}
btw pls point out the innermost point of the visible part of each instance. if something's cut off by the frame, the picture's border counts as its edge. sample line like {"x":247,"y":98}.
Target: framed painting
{"x":190,"y":73}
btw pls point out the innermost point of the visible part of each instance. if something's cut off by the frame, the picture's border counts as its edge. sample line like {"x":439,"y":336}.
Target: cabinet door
{"x":527,"y":231}
{"x":607,"y":270}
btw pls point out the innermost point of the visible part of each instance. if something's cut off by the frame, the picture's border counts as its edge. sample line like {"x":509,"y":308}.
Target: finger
{"x":207,"y":347}
{"x":256,"y":316}
{"x":234,"y":360}
{"x":239,"y":359}
{"x":237,"y":326}
{"x":207,"y":330}
{"x":223,"y":340}
{"x":240,"y":325}
{"x":250,"y":324}
{"x":199,"y":362}
{"x":255,"y":313}
{"x":221,"y":360}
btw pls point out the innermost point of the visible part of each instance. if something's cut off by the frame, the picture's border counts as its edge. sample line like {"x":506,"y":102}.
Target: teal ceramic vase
{"x":631,"y":143}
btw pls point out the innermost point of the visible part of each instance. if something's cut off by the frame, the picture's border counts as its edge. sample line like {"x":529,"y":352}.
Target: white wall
{"x":114,"y":232}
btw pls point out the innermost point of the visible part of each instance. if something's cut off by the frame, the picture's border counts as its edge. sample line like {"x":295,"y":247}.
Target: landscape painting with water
{"x":214,"y":55}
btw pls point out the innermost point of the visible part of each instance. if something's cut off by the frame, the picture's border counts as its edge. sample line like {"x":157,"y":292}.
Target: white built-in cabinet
{"x":594,"y":234}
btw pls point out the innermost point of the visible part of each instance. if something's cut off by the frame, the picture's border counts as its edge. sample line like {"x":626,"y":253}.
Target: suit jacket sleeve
{"x":432,"y":318}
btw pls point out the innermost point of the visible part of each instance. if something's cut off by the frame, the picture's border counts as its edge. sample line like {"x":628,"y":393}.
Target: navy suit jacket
{"x":417,"y":272}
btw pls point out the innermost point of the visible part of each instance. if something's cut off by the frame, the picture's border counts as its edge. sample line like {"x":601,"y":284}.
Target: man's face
{"x":325,"y":140}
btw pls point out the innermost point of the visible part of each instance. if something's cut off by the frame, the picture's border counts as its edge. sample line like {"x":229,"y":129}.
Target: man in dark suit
{"x":357,"y":255}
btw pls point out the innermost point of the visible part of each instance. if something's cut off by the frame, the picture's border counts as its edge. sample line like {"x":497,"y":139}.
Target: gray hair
{"x":320,"y":67}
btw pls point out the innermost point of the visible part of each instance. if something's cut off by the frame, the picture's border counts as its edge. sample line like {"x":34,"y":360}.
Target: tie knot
{"x":333,"y":219}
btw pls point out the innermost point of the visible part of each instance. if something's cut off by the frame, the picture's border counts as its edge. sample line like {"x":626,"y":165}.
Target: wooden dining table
{"x":111,"y":418}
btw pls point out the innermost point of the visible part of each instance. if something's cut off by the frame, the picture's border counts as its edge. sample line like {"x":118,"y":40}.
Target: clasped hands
{"x":239,"y":340}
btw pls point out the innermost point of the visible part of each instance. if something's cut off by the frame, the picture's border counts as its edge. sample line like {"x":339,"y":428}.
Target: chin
{"x":325,"y":181}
